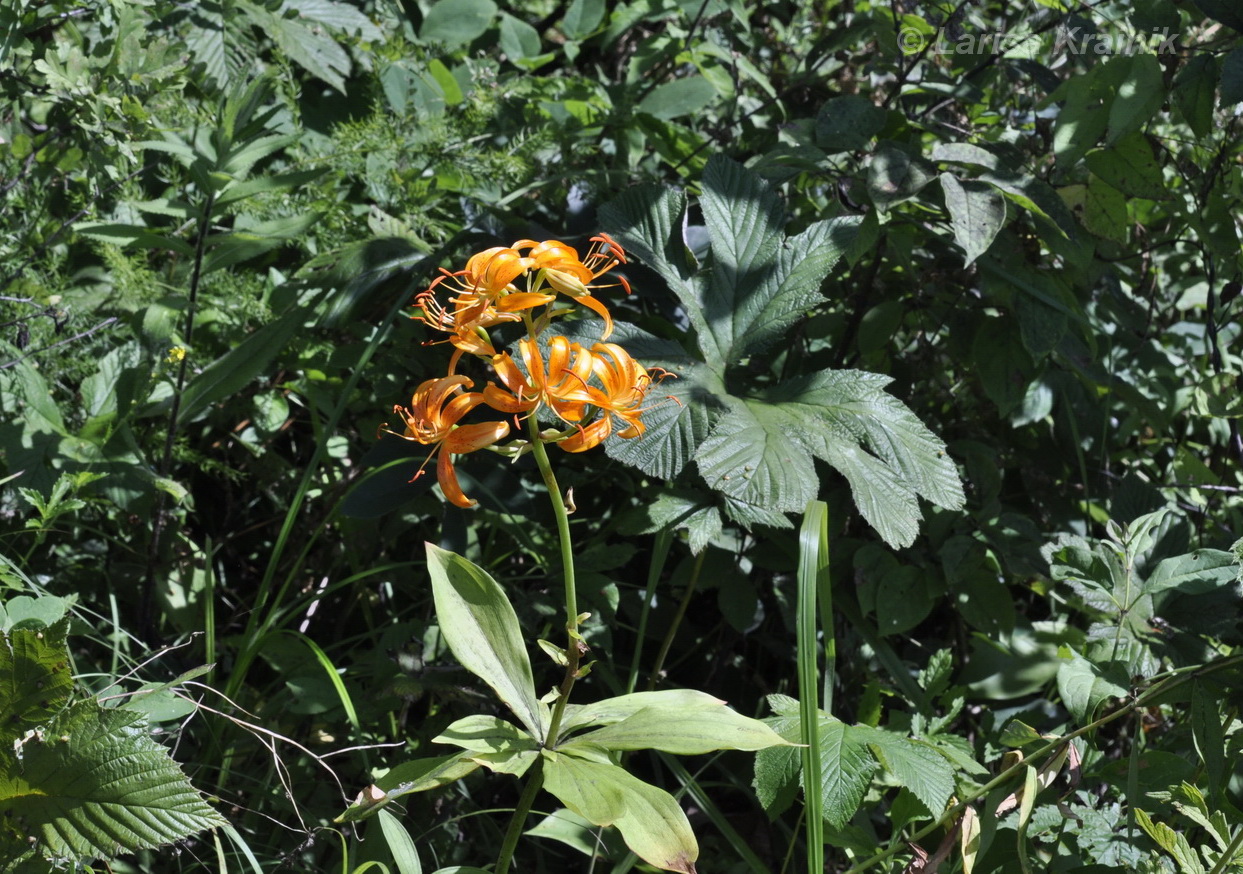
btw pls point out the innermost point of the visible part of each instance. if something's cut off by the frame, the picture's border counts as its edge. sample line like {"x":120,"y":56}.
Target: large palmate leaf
{"x":93,"y":783}
{"x":649,"y":819}
{"x":482,"y":630}
{"x":757,"y":449}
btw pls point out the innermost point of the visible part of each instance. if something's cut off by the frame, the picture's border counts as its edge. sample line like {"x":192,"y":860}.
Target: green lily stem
{"x":1175,"y":679}
{"x":574,"y":650}
{"x":575,"y":647}
{"x":534,"y":781}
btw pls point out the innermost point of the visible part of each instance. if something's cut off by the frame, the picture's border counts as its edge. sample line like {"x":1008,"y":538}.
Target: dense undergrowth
{"x":877,"y":247}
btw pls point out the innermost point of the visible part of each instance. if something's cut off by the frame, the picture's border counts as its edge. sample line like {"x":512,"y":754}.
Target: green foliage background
{"x":216,"y":215}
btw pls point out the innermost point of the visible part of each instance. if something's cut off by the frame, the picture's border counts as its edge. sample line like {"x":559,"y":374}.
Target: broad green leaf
{"x":518,"y":39}
{"x":977,"y":213}
{"x":847,"y":124}
{"x":649,"y":819}
{"x":265,"y":185}
{"x":1217,"y":396}
{"x":755,"y":454}
{"x":248,"y":240}
{"x":35,"y":679}
{"x":1232,"y":77}
{"x":1084,"y":116}
{"x":1195,"y":92}
{"x":1104,"y":210}
{"x":895,"y":176}
{"x":686,"y":731}
{"x":311,"y":48}
{"x":485,"y":734}
{"x":649,"y":221}
{"x":32,"y":613}
{"x":887,"y":503}
{"x":236,"y":369}
{"x":915,"y":764}
{"x":482,"y":630}
{"x":583,"y":17}
{"x":1195,"y":573}
{"x":689,"y":510}
{"x":678,"y":98}
{"x":1084,"y":686}
{"x":760,"y":282}
{"x":341,"y":16}
{"x":614,"y":710}
{"x":1130,"y":167}
{"x":95,"y":783}
{"x":1140,"y":93}
{"x":451,"y":23}
{"x":575,"y":831}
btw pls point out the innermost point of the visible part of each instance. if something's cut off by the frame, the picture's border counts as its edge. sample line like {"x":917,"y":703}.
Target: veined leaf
{"x":482,"y":630}
{"x":35,"y":681}
{"x":649,"y":819}
{"x":686,"y":731}
{"x":485,"y":734}
{"x":1194,"y":573}
{"x":760,"y":282}
{"x":418,"y":775}
{"x":754,"y":454}
{"x":1084,"y":685}
{"x":613,"y":710}
{"x":94,"y":781}
{"x":915,"y":764}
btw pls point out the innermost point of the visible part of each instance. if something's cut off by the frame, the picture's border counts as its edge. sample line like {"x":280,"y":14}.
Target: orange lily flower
{"x":432,"y":419}
{"x":624,"y":386}
{"x":561,"y":268}
{"x":561,"y":385}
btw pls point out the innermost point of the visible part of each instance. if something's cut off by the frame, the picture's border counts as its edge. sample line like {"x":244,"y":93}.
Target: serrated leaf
{"x":1083,"y":685}
{"x":847,"y":124}
{"x":913,"y":763}
{"x":977,"y":213}
{"x":649,"y":819}
{"x":35,"y":680}
{"x":680,"y":411}
{"x":97,"y":784}
{"x":839,"y":414}
{"x":685,"y":731}
{"x":688,"y":510}
{"x":1195,"y":573}
{"x":760,"y":281}
{"x":753,"y":455}
{"x":894,"y":176}
{"x":482,"y":630}
{"x":846,"y":770}
{"x":1130,"y":167}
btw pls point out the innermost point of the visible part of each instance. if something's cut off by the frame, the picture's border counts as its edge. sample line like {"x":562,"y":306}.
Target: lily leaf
{"x":649,"y":819}
{"x":686,"y":731}
{"x":485,"y":734}
{"x":612,"y":710}
{"x":482,"y":630}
